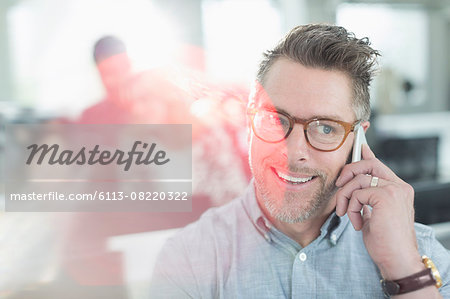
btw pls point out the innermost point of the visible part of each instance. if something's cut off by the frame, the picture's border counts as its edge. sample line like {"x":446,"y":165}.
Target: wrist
{"x":418,"y":281}
{"x":399,"y":268}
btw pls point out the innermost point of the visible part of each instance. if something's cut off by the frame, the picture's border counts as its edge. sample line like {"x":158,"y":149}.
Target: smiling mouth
{"x":293,"y":180}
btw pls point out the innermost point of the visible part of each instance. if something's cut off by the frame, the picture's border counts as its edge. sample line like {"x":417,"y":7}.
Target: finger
{"x":358,"y":200}
{"x":354,"y":211}
{"x":371,"y":166}
{"x":344,"y":194}
{"x":341,"y":205}
{"x":367,"y":213}
{"x":367,"y":152}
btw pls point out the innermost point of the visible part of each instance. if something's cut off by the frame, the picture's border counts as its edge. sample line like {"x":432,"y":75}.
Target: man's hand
{"x":388,"y":229}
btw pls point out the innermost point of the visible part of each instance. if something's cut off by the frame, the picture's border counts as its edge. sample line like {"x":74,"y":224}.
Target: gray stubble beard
{"x":287,"y":211}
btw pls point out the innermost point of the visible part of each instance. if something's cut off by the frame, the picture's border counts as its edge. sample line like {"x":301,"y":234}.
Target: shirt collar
{"x":254,"y":212}
{"x":332,"y":228}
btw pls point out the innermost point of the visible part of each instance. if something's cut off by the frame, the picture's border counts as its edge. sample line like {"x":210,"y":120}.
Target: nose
{"x":297,"y":147}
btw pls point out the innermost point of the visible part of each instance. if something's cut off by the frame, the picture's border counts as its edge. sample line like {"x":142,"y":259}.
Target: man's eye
{"x":324,"y":129}
{"x":283,"y":122}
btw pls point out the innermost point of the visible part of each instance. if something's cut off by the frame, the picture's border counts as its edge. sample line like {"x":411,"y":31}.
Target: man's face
{"x":114,"y":71}
{"x":279,"y":168}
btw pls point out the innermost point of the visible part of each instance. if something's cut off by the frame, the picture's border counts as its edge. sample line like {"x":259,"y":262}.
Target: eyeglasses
{"x":321,"y":133}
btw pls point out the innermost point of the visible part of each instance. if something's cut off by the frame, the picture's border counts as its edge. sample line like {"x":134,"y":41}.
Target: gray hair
{"x":329,"y":47}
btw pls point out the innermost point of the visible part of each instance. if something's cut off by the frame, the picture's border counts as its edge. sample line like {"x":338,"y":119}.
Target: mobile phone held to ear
{"x":360,"y":139}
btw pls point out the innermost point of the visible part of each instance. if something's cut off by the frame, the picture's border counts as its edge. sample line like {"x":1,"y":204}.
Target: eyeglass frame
{"x":348,"y":127}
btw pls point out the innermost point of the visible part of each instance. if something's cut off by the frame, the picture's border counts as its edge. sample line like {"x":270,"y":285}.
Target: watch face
{"x":390,"y":287}
{"x":434,"y":272}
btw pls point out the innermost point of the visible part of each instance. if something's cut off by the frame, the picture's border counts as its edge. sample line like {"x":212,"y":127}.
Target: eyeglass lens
{"x":272,"y":126}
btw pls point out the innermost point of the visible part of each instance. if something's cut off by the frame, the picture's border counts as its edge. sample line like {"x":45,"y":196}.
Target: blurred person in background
{"x":157,"y":96}
{"x":115,"y":69}
{"x":81,"y":263}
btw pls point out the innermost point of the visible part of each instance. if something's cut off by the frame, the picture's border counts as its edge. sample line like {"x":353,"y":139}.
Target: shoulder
{"x":215,"y":223}
{"x":431,"y":247}
{"x":191,"y":261}
{"x":211,"y":238}
{"x":92,"y":113}
{"x":426,"y":238}
{"x":105,"y":112}
{"x":424,"y":233}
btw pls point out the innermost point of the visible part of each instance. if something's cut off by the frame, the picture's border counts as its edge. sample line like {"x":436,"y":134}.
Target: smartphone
{"x":360,"y":139}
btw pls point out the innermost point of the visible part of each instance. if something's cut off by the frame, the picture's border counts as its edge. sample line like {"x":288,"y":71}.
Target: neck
{"x":302,"y":232}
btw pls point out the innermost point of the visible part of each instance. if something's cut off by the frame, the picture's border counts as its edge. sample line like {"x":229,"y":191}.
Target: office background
{"x":48,"y":74}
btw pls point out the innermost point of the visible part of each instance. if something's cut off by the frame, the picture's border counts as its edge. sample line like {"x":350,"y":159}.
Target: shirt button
{"x":302,"y":256}
{"x":333,"y":238}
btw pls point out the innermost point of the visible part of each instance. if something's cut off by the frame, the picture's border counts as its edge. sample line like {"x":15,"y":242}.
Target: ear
{"x":255,"y":91}
{"x":365,"y":125}
{"x":250,"y":105}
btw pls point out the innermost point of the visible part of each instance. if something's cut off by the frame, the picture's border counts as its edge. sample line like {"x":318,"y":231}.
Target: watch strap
{"x":408,"y":284}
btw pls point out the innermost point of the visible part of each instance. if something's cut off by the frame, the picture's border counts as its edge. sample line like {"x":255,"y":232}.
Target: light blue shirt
{"x":234,"y":252}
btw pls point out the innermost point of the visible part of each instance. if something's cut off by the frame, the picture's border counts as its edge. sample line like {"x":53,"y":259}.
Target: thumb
{"x":367,"y":213}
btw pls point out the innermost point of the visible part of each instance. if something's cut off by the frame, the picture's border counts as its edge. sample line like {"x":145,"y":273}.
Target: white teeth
{"x":293,"y":179}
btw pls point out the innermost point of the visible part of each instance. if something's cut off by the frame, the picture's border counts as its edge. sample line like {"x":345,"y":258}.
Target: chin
{"x":294,"y":206}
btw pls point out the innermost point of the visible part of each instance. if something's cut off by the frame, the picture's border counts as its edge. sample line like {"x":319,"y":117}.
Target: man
{"x":115,"y":70}
{"x":298,"y":232}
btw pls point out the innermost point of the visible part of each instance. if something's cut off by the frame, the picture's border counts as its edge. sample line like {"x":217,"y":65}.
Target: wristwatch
{"x":427,"y":277}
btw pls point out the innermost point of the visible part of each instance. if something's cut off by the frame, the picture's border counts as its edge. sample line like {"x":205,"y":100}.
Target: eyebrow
{"x":319,"y":116}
